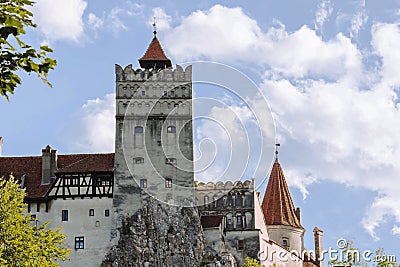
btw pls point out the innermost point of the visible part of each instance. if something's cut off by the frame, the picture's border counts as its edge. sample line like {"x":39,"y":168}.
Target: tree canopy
{"x":15,"y":54}
{"x":22,"y":242}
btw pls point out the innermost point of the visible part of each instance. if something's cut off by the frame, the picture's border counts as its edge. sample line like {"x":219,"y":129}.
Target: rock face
{"x":159,"y":235}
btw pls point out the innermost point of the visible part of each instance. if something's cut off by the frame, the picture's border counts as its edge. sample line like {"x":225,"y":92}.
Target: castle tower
{"x":282,"y":219}
{"x":154,"y":143}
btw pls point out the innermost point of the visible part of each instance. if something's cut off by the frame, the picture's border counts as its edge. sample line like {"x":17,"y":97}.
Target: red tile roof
{"x":155,"y":56}
{"x":211,"y":221}
{"x":277,"y":205}
{"x":31,"y":168}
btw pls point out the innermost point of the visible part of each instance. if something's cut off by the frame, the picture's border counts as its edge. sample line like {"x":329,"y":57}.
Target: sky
{"x":326,"y":71}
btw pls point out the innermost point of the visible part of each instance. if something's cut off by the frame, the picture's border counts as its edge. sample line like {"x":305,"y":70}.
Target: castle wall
{"x":95,"y":229}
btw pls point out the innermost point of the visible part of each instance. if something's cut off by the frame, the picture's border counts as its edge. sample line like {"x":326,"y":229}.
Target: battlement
{"x":160,"y":75}
{"x":228,"y":185}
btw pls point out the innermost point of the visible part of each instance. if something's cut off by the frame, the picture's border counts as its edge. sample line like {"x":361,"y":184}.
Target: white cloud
{"x":204,"y":35}
{"x":60,"y":20}
{"x":163,"y":20}
{"x":116,"y":15}
{"x":396,"y":230}
{"x":349,"y":133}
{"x":325,"y":102}
{"x":358,"y":21}
{"x":93,"y":127}
{"x":323,"y":12}
{"x":94,"y":21}
{"x":386,"y":39}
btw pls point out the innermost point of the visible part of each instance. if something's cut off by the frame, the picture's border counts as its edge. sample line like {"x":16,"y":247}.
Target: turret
{"x":281,"y":216}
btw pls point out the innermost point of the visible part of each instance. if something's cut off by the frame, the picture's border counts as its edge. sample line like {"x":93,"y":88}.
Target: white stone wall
{"x":95,"y":229}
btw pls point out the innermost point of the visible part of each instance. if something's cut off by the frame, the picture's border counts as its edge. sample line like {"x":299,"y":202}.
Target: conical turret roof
{"x":155,"y":56}
{"x":277,"y":205}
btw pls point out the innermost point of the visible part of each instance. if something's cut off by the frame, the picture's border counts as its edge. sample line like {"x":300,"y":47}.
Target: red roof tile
{"x":277,"y":205}
{"x":31,"y":169}
{"x":211,"y":221}
{"x":155,"y":56}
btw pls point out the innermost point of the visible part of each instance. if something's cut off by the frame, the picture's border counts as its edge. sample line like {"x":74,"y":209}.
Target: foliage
{"x":16,"y":55}
{"x":22,"y":243}
{"x":352,"y":256}
{"x":384,"y":261}
{"x":249,"y":262}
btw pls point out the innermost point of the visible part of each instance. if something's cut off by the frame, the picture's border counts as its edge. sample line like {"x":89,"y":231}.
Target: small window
{"x":171,"y":129}
{"x":79,"y":242}
{"x":170,"y":161}
{"x":285,"y":242}
{"x":138,"y":129}
{"x":165,"y":93}
{"x":172,"y":93}
{"x":168,"y":183}
{"x":143,"y":93}
{"x":143,"y":183}
{"x":240,"y":245}
{"x":138,"y":160}
{"x":64,"y":215}
{"x":33,"y":217}
{"x":107,"y":213}
{"x":91,"y":212}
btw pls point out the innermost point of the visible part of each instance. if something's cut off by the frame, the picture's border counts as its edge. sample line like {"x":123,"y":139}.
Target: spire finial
{"x":154,"y":26}
{"x":276,"y":150}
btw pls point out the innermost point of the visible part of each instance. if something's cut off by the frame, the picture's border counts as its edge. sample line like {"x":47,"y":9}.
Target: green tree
{"x":16,"y":55}
{"x":22,"y":243}
{"x":352,"y":256}
{"x":249,"y":262}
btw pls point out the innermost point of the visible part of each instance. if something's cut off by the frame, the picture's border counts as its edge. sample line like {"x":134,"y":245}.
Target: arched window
{"x":171,"y":129}
{"x":138,"y":129}
{"x":238,"y":200}
{"x":229,"y":200}
{"x":168,"y":183}
{"x":206,"y":201}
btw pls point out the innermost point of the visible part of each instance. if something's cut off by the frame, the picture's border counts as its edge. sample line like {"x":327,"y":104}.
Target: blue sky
{"x":328,"y":69}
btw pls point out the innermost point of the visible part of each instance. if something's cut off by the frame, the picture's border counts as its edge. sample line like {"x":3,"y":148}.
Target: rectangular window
{"x":79,"y":242}
{"x":143,"y":93}
{"x":172,"y":93}
{"x":168,"y":183}
{"x":91,"y":212}
{"x":165,"y":93}
{"x":64,"y":215}
{"x":33,"y":217}
{"x":107,"y":213}
{"x":240,"y":245}
{"x":143,"y":183}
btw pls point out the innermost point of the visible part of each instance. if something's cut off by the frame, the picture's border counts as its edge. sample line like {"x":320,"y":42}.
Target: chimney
{"x":49,"y":164}
{"x":318,"y":246}
{"x":1,"y":144}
